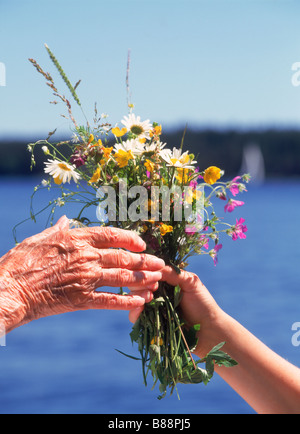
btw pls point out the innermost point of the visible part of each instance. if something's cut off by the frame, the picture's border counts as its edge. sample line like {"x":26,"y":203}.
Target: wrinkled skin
{"x":59,"y":270}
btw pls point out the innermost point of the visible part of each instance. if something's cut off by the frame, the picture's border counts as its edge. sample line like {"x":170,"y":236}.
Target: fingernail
{"x":159,"y":262}
{"x":153,"y":287}
{"x":143,"y":245}
{"x":157,"y":275}
{"x":148,"y":296}
{"x":138,"y":298}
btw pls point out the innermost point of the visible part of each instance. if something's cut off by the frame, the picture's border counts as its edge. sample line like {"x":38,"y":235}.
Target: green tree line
{"x":280,"y":150}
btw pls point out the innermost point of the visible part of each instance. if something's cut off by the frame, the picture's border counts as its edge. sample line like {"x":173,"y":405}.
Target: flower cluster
{"x":136,"y":182}
{"x":136,"y":153}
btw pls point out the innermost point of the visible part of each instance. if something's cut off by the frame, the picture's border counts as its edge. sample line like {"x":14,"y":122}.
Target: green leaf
{"x":220,"y":357}
{"x":195,"y":377}
{"x":191,"y":336}
{"x":135,"y":333}
{"x":127,"y":355}
{"x":177,"y":296}
{"x":210,"y":367}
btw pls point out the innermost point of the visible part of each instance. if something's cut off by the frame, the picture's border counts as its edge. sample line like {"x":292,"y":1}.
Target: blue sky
{"x":205,"y":63}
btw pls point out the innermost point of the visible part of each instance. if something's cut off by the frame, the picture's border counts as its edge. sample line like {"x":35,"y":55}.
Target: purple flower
{"x":232,"y":204}
{"x":222,"y":196}
{"x":78,"y":159}
{"x":191,"y":230}
{"x":214,"y":253}
{"x":234,"y":186}
{"x":193,"y":184}
{"x":204,"y":241}
{"x":238,"y":231}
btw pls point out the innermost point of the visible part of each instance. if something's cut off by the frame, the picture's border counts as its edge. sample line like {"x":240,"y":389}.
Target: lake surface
{"x":68,"y":363}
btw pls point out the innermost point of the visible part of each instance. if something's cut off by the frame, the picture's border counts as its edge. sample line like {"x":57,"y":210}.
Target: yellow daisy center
{"x":64,"y":166}
{"x":137,"y":129}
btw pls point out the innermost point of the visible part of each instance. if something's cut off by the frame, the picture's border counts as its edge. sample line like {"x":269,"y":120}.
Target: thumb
{"x":63,"y":223}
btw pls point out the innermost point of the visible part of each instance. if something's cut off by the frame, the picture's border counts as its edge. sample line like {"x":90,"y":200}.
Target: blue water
{"x":68,"y":363}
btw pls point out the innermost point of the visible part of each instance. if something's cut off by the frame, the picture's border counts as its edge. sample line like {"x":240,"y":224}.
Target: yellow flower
{"x":107,"y":152}
{"x":165,"y":229}
{"x":212,"y":174}
{"x":91,"y":139}
{"x":150,"y":166}
{"x":123,"y":157}
{"x":119,"y":133}
{"x":193,"y":195}
{"x":57,"y":180}
{"x":96,"y":176}
{"x":183,"y":176}
{"x":156,"y":131}
{"x":98,"y":144}
{"x":154,"y":341}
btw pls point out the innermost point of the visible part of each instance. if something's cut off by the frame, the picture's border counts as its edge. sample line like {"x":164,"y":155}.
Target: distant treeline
{"x":280,"y":149}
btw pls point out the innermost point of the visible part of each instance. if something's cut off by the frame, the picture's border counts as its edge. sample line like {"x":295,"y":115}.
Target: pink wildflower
{"x":234,"y":186}
{"x":238,"y":231}
{"x":232,"y":204}
{"x":214,"y":253}
{"x":204,"y":241}
{"x":191,"y":230}
{"x":193,"y":184}
{"x":221,"y":195}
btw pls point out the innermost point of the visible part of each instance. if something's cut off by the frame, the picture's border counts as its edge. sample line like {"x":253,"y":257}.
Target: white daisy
{"x":62,"y":172}
{"x":175,"y":158}
{"x":140,"y":128}
{"x":156,"y":147}
{"x":75,"y":138}
{"x":133,"y":145}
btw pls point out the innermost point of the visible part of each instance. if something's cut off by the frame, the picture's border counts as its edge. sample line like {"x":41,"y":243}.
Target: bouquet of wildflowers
{"x":136,"y":182}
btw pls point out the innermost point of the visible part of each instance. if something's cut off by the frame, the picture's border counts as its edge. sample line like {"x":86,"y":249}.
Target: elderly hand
{"x":59,"y":270}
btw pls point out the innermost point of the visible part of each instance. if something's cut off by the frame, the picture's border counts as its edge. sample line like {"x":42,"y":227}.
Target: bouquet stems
{"x":163,"y":341}
{"x":166,"y":344}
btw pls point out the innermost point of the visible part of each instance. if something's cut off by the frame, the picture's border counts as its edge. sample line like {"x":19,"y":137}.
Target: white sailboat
{"x":253,"y":163}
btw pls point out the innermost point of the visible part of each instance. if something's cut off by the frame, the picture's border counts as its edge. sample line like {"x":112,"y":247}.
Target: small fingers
{"x":187,"y":281}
